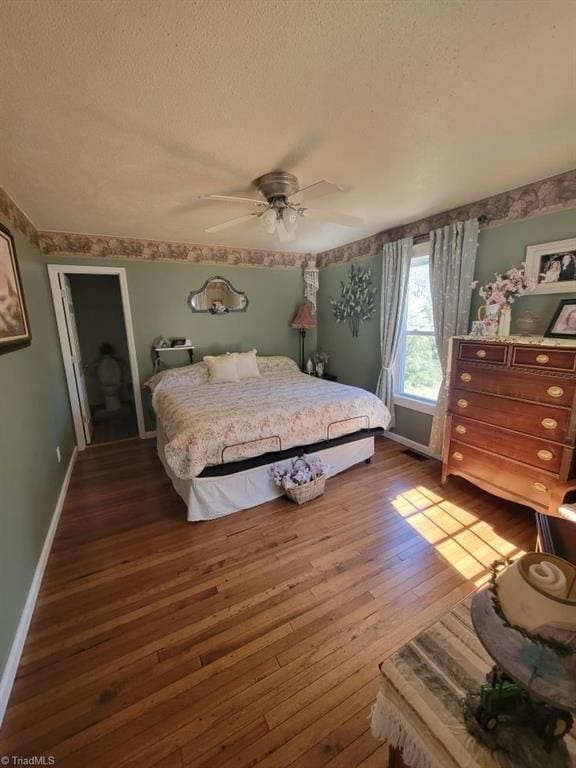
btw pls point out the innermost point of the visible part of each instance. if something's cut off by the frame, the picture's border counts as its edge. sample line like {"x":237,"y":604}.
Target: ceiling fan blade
{"x":300,"y":152}
{"x":318,"y":189}
{"x":233,"y":199}
{"x":332,"y":217}
{"x":230,"y":223}
{"x":284,"y":235}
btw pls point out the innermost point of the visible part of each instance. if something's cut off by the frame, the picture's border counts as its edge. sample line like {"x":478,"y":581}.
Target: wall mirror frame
{"x":218,"y":297}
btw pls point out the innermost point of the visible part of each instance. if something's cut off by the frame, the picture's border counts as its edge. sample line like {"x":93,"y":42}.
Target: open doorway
{"x":95,"y":328}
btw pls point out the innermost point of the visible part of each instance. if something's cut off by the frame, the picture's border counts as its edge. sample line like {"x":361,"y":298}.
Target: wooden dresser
{"x":511,"y":424}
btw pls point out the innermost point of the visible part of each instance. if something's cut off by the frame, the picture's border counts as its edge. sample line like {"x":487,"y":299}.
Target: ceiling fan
{"x":277,"y":210}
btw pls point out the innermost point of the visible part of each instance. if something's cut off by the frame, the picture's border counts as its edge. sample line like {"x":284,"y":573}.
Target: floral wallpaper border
{"x":556,"y":193}
{"x":10,"y":211}
{"x":546,"y":196}
{"x":62,"y":244}
{"x":102,"y":247}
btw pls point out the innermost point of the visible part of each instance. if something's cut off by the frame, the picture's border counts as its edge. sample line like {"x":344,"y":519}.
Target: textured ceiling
{"x":116,"y":115}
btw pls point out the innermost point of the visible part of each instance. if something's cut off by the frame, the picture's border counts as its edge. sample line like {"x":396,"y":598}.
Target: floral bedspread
{"x":207,"y":424}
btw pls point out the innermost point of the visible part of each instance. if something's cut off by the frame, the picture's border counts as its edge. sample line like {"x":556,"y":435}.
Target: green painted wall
{"x":354,"y":361}
{"x":413,"y":424}
{"x":158,"y":293}
{"x":34,"y":419}
{"x":357,"y":361}
{"x":503,"y":247}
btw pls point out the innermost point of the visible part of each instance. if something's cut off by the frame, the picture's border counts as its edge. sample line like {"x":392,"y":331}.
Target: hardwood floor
{"x":253,"y":640}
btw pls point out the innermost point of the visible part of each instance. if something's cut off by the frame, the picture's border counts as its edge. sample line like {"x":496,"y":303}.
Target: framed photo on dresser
{"x":14,"y":327}
{"x":551,"y":267}
{"x":563,"y":324}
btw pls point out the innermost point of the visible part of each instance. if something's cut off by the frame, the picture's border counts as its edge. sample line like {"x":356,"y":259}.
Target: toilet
{"x":109,"y":375}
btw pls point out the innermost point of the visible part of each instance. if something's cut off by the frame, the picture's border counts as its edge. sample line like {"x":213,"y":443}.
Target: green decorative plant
{"x":356,"y":303}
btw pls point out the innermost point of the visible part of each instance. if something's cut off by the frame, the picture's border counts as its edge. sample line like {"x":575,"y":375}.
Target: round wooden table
{"x":545,"y":675}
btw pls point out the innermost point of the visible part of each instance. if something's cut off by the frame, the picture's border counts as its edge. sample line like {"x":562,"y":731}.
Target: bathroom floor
{"x":107,"y":427}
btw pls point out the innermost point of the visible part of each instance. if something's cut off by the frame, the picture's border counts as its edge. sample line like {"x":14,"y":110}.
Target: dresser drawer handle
{"x":461,"y":429}
{"x":457,"y":456}
{"x":481,"y":353}
{"x":549,"y":423}
{"x":540,"y":487}
{"x":545,"y":455}
{"x":462,"y":403}
{"x":465,"y":377}
{"x":555,"y":391}
{"x":542,"y":359}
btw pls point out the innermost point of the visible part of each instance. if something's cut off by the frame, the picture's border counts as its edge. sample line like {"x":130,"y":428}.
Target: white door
{"x":77,"y":364}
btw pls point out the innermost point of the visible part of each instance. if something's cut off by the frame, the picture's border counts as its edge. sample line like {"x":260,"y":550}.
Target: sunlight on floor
{"x":467,"y":542}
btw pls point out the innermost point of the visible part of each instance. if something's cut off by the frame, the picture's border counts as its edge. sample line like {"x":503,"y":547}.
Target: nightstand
{"x":157,"y":351}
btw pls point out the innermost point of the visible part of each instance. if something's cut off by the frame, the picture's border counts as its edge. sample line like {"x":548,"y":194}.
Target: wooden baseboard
{"x":9,"y":671}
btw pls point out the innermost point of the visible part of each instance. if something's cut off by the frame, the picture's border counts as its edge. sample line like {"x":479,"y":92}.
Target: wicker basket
{"x":303,"y":493}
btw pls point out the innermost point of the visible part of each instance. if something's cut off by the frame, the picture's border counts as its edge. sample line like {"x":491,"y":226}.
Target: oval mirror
{"x":218,"y":297}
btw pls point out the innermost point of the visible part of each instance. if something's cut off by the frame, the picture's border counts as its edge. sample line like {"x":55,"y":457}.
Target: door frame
{"x":68,"y":269}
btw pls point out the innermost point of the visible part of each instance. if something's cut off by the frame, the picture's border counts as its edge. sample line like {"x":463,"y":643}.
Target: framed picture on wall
{"x":14,"y":328}
{"x":563,"y":324}
{"x":551,"y":267}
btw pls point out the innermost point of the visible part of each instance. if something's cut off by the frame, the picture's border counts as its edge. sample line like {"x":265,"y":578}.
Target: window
{"x":418,"y":371}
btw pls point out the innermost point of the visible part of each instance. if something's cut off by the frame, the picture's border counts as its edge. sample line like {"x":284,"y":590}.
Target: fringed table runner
{"x":419,"y":709}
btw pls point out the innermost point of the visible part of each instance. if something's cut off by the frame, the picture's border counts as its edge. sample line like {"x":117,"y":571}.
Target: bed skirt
{"x":207,"y":498}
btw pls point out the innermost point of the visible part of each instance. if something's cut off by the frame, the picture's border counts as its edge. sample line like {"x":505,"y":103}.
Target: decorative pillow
{"x":277,"y":364}
{"x":247,"y":364}
{"x":193,"y":374}
{"x":221,"y":368}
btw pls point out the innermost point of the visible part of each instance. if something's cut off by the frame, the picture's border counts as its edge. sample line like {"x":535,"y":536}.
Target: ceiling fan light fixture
{"x":277,"y":212}
{"x":268,"y":220}
{"x":290,"y":218}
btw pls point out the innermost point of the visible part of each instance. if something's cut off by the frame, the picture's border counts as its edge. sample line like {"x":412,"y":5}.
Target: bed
{"x":218,"y":440}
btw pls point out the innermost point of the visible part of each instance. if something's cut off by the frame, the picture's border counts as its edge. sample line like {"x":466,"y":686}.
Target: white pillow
{"x":247,"y":364}
{"x":221,"y":368}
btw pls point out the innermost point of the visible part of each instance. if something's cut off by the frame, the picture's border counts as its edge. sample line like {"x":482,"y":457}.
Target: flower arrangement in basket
{"x":303,"y":480}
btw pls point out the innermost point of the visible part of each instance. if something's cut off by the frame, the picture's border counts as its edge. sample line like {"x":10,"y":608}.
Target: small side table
{"x":157,"y":351}
{"x":419,"y":709}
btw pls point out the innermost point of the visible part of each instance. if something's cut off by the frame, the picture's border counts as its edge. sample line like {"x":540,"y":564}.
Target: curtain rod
{"x":426,"y":236}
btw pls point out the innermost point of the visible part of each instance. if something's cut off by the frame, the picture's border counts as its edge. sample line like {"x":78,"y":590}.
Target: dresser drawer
{"x":509,"y":383}
{"x":543,"y":454}
{"x":545,"y":421}
{"x":552,"y":359}
{"x":512,"y":479}
{"x":482,"y":353}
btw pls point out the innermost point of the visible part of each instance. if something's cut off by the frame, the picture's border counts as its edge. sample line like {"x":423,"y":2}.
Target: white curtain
{"x":452,"y":260}
{"x":395,"y":271}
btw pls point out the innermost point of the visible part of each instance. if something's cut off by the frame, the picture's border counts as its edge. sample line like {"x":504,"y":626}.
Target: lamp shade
{"x":303,"y":318}
{"x":538,"y":593}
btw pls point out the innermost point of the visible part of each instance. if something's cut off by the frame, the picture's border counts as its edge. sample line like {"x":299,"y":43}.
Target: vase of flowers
{"x":303,"y":480}
{"x":498,"y":295}
{"x":489,"y":314}
{"x":320,"y":361}
{"x":504,"y":320}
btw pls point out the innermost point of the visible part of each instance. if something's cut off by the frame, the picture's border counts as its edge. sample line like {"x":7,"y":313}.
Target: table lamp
{"x":303,"y":319}
{"x":537,"y":593}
